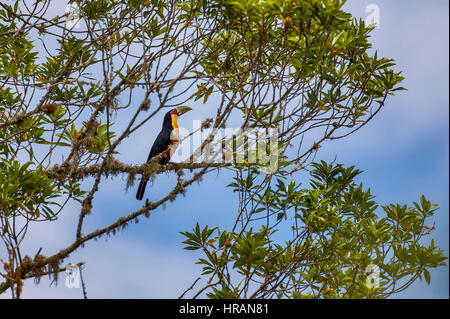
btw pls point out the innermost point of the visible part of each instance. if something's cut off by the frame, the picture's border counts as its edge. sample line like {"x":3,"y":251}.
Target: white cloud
{"x":115,"y":267}
{"x":416,"y":36}
{"x":123,"y":268}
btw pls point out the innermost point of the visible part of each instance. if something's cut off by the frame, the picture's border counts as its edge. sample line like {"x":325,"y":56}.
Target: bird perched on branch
{"x":164,"y":142}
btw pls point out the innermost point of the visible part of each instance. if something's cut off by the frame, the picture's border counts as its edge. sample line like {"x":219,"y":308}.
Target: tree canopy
{"x":76,"y":86}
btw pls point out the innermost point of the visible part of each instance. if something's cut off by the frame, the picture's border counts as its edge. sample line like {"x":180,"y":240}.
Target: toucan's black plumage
{"x":167,"y":137}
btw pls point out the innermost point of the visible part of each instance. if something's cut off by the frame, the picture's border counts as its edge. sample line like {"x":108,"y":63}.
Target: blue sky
{"x":404,"y":152}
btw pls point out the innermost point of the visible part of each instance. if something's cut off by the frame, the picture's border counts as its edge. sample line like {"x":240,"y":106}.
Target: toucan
{"x":164,"y":141}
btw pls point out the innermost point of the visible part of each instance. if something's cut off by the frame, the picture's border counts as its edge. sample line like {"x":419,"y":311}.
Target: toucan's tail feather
{"x":141,"y":189}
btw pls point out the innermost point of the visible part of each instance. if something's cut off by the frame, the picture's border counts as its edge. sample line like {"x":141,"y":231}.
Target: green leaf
{"x":426,"y":274}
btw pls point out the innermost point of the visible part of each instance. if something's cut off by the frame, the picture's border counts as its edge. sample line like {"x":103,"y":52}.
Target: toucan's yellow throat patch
{"x":174,"y":117}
